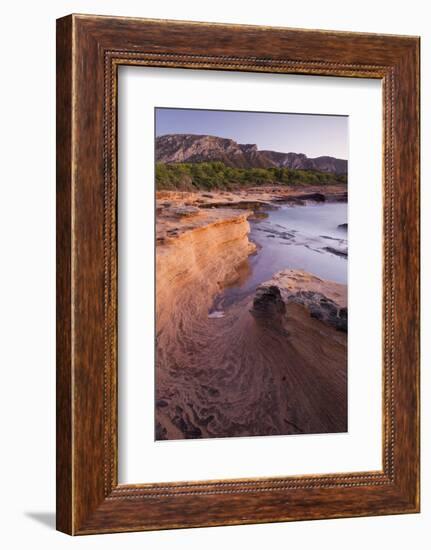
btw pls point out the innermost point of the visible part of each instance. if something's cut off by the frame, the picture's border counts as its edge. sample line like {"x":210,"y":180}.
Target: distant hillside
{"x":191,"y":148}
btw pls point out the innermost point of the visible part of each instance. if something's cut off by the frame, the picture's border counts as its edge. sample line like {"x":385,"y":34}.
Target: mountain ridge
{"x":195,"y":148}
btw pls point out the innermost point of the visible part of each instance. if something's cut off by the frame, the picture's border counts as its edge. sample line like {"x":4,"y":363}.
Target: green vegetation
{"x":207,"y":176}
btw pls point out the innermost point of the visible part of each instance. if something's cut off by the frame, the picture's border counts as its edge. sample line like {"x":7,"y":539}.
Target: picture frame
{"x":89,"y":51}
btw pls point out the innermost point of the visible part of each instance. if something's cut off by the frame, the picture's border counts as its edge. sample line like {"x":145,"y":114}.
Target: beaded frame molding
{"x":89,"y":51}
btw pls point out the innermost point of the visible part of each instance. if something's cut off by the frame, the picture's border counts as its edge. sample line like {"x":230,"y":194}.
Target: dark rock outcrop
{"x":342,"y":252}
{"x":325,"y":300}
{"x":323,"y":308}
{"x":268,"y":303}
{"x":301,"y":198}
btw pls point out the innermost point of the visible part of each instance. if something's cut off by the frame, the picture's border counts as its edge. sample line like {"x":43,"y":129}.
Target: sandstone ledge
{"x":178,"y":220}
{"x":264,"y":195}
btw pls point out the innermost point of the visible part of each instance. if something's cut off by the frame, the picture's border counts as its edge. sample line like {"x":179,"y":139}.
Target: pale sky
{"x":312,"y":134}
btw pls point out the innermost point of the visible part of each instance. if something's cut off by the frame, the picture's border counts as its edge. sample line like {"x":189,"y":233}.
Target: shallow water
{"x":294,"y":237}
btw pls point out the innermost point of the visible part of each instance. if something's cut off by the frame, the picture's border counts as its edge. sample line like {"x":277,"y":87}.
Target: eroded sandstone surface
{"x":272,"y":363}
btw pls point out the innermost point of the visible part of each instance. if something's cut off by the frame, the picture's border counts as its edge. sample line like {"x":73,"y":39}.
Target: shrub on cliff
{"x":216,"y":175}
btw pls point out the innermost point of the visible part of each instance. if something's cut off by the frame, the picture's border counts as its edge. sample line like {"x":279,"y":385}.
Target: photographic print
{"x":251,"y":273}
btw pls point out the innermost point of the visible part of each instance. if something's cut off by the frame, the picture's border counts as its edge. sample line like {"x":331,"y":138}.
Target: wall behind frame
{"x":27,"y":289}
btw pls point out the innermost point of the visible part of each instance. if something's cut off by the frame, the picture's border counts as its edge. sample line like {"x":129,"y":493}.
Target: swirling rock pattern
{"x":280,"y":371}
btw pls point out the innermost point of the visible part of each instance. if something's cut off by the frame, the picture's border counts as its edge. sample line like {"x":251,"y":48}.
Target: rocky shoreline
{"x":253,"y":197}
{"x":238,"y":377}
{"x":325,"y":300}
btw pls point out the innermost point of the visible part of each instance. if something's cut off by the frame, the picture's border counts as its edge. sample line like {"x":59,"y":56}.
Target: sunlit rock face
{"x":175,"y":148}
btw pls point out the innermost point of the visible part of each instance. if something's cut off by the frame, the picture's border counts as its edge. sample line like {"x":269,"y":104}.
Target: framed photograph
{"x":237,"y":274}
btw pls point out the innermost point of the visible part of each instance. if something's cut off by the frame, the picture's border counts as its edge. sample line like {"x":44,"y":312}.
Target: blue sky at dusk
{"x":314,"y":135}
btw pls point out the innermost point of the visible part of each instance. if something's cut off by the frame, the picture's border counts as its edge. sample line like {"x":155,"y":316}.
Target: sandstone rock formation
{"x":325,"y":300}
{"x":231,"y":373}
{"x":194,"y":260}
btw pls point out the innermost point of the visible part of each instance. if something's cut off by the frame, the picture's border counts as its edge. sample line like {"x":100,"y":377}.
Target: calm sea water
{"x":296,"y":237}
